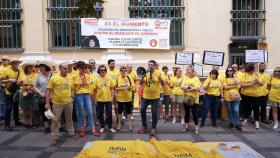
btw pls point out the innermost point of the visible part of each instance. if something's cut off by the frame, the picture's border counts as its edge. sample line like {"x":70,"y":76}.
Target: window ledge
{"x":11,"y":49}
{"x":245,"y":38}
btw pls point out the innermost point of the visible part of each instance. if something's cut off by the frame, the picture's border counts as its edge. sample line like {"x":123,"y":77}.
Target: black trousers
{"x":194,"y":109}
{"x":263,"y":104}
{"x":249,"y":104}
{"x":11,"y":106}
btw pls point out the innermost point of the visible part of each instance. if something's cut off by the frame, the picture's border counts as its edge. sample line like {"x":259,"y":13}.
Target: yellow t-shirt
{"x":91,"y":82}
{"x":9,"y":73}
{"x":124,"y":96}
{"x":176,"y":83}
{"x":113,"y":75}
{"x":192,"y":82}
{"x":265,"y":77}
{"x":230,"y":82}
{"x":152,"y":85}
{"x":254,"y":90}
{"x":274,"y":93}
{"x":61,"y":89}
{"x":78,"y":87}
{"x":214,"y":87}
{"x":103,"y":86}
{"x":239,"y":75}
{"x":221,"y":76}
{"x":3,"y":73}
{"x":166,"y":88}
{"x":132,"y":75}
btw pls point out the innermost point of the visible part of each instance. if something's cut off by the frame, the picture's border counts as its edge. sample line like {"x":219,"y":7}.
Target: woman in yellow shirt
{"x":124,"y":86}
{"x":250,"y":88}
{"x":82,"y":99}
{"x":177,"y":95}
{"x":103,"y":89}
{"x":214,"y":89}
{"x":191,"y":86}
{"x":232,"y":99}
{"x":26,"y":94}
{"x":274,"y":95}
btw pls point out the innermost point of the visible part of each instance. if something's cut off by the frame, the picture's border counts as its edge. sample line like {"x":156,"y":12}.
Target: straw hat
{"x":27,"y":63}
{"x":49,"y":114}
{"x":6,"y":57}
{"x":47,"y":63}
{"x":13,"y":60}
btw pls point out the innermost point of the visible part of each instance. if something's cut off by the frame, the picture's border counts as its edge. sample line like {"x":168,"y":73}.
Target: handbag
{"x":14,"y":86}
{"x":189,"y":100}
{"x":234,"y":96}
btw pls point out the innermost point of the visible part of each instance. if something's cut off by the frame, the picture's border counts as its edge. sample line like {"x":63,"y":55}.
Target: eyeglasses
{"x":103,"y":70}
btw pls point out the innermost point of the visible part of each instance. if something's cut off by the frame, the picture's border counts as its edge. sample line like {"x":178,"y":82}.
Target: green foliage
{"x":86,"y":8}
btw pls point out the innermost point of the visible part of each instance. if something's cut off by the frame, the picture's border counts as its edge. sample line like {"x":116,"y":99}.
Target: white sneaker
{"x":132,"y":118}
{"x":119,"y":126}
{"x":101,"y":130}
{"x":182,"y":121}
{"x":275,"y":125}
{"x":174,"y":121}
{"x":123,"y":118}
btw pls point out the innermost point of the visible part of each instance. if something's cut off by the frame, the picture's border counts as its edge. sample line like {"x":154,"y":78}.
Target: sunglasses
{"x":124,"y":70}
{"x":103,"y":70}
{"x":92,"y":63}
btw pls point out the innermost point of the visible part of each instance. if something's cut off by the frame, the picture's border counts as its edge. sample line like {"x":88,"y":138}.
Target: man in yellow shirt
{"x":5,"y":64}
{"x":264,"y":91}
{"x":61,"y":91}
{"x":151,"y":82}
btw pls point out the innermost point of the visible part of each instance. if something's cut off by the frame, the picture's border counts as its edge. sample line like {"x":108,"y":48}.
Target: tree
{"x":88,"y":8}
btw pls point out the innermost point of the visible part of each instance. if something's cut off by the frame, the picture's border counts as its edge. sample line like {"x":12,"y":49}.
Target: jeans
{"x":83,"y":103}
{"x":233,"y":112}
{"x":212,"y":103}
{"x":100,"y":111}
{"x":2,"y":102}
{"x":144,"y":105}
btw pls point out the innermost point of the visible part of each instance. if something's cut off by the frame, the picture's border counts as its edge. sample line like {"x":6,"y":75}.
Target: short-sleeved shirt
{"x":152,"y":85}
{"x":176,"y":83}
{"x":103,"y":86}
{"x":113,"y":75}
{"x":9,"y":73}
{"x":230,"y":82}
{"x":192,"y":82}
{"x":214,"y":87}
{"x":124,"y":96}
{"x":254,"y":90}
{"x":166,"y":88}
{"x":78,"y":80}
{"x":61,"y":89}
{"x":41,"y":83}
{"x":274,"y":92}
{"x":265,"y":77}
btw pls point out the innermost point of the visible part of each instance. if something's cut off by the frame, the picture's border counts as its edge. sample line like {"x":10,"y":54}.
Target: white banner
{"x":184,"y":58}
{"x":125,"y":33}
{"x":255,"y":56}
{"x":213,"y":58}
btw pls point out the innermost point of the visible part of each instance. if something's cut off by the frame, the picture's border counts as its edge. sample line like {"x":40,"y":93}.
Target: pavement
{"x":34,"y":143}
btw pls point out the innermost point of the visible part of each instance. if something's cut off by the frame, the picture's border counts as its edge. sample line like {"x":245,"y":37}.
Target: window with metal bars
{"x":64,"y":26}
{"x":248,"y":20}
{"x":164,"y":9}
{"x":10,"y":25}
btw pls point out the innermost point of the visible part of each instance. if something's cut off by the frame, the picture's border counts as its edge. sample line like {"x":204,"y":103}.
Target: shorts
{"x":177,"y":98}
{"x":127,"y":106}
{"x":275,"y":104}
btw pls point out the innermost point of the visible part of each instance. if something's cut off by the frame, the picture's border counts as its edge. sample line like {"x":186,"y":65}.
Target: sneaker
{"x":182,"y":121}
{"x":153,"y":133}
{"x":74,"y":136}
{"x":112,"y":130}
{"x":132,"y":118}
{"x":196,"y":132}
{"x":101,"y":130}
{"x":119,"y":126}
{"x":123,"y":118}
{"x":142,"y":130}
{"x":130,"y":127}
{"x":238,"y":127}
{"x":53,"y":141}
{"x":96,"y":133}
{"x":275,"y":125}
{"x":82,"y":133}
{"x":174,"y":120}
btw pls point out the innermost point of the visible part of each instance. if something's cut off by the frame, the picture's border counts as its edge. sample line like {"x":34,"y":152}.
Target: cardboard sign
{"x":213,"y":58}
{"x":198,"y":69}
{"x":255,"y":56}
{"x":184,"y":58}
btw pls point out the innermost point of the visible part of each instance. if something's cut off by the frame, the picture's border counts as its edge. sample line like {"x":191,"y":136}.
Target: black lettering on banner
{"x":183,"y":155}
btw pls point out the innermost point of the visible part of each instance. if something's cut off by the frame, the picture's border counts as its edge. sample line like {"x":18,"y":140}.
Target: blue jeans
{"x":144,"y":105}
{"x":3,"y":106}
{"x":83,"y":102}
{"x":233,"y":112}
{"x":212,"y":103}
{"x":100,"y":111}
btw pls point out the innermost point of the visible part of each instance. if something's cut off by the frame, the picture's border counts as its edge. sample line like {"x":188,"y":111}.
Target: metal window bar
{"x":64,"y":28}
{"x":10,"y":25}
{"x":165,"y":9}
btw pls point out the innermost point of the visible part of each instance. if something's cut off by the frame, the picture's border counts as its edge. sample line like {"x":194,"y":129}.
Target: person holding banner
{"x":177,"y":95}
{"x":274,"y":95}
{"x":214,"y":90}
{"x":232,"y":99}
{"x":251,"y":89}
{"x":264,"y":91}
{"x":151,"y":82}
{"x":103,"y":93}
{"x":191,"y":86}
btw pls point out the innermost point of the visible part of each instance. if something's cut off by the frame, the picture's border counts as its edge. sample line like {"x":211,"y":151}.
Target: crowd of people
{"x":82,"y":93}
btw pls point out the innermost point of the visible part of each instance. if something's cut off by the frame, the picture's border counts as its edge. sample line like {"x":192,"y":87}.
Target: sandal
{"x":196,"y":132}
{"x":142,"y":130}
{"x":184,"y":130}
{"x":96,"y":133}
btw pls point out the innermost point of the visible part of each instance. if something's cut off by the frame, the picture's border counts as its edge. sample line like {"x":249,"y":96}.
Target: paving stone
{"x":19,"y":154}
{"x":28,"y":139}
{"x":4,"y":136}
{"x":131,"y":136}
{"x":64,"y":154}
{"x":178,"y":137}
